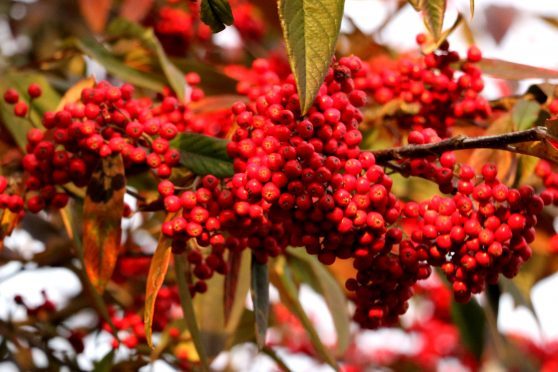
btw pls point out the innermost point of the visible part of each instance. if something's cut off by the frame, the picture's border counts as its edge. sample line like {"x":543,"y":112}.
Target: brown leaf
{"x":155,"y":278}
{"x":96,"y":13}
{"x":135,"y":10}
{"x":102,"y":212}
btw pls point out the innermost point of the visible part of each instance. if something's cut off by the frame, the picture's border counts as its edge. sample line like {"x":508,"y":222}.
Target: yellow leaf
{"x":73,"y":94}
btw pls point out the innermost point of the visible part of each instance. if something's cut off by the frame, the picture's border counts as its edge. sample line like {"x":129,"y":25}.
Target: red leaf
{"x":96,"y":13}
{"x":102,"y":212}
{"x":135,"y":10}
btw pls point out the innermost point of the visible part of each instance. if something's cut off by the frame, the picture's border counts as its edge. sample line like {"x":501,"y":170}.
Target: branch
{"x":500,"y":142}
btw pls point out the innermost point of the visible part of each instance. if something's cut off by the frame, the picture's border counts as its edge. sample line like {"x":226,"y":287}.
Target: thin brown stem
{"x":500,"y":141}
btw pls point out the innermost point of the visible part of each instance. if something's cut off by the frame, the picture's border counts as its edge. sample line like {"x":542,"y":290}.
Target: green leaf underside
{"x":323,"y":282}
{"x":216,"y":14}
{"x":310,"y":29}
{"x":282,"y":279}
{"x":188,"y":309}
{"x":524,"y":114}
{"x":433,"y":12}
{"x":204,"y":155}
{"x":260,"y":299}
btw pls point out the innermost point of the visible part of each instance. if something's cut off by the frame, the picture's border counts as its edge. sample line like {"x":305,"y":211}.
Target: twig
{"x":501,"y":142}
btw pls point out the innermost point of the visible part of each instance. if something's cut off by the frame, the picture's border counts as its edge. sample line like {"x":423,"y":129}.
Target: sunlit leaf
{"x":310,"y":29}
{"x":514,"y":71}
{"x":472,"y":7}
{"x":73,"y":94}
{"x":260,"y":299}
{"x":203,"y":154}
{"x":281,"y":278}
{"x":155,"y":278}
{"x":102,"y":213}
{"x":444,"y":35}
{"x":433,"y":12}
{"x":96,"y":13}
{"x":216,"y":14}
{"x":323,"y":282}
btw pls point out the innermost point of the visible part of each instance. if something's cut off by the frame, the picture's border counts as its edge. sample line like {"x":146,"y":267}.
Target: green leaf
{"x":203,"y":154}
{"x":188,"y":309}
{"x":310,"y":29}
{"x":282,"y":278}
{"x":444,"y":35}
{"x":515,"y":71}
{"x":105,"y":364}
{"x":471,"y":321}
{"x":323,"y":282}
{"x":216,"y":14}
{"x":525,"y":113}
{"x":433,"y":12}
{"x":102,"y":55}
{"x":260,"y":299}
{"x":121,"y":27}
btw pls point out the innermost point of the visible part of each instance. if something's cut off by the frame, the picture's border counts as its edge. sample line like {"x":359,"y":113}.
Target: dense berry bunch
{"x":106,"y":121}
{"x":436,"y":94}
{"x":482,"y":231}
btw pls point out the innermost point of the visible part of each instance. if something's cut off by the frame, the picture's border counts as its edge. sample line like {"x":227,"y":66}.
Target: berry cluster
{"x":21,"y":108}
{"x":106,"y":121}
{"x":482,"y":231}
{"x":11,"y":201}
{"x":442,"y":94}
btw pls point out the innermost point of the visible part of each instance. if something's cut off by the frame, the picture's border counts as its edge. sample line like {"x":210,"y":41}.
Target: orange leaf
{"x":155,"y":278}
{"x":135,"y":10}
{"x":96,"y":13}
{"x":102,"y":212}
{"x":8,"y":222}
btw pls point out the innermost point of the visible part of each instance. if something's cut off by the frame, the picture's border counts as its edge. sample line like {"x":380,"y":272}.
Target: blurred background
{"x":514,"y":30}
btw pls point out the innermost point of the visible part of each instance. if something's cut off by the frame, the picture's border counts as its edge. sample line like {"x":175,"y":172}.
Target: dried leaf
{"x":102,"y":213}
{"x":155,"y":278}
